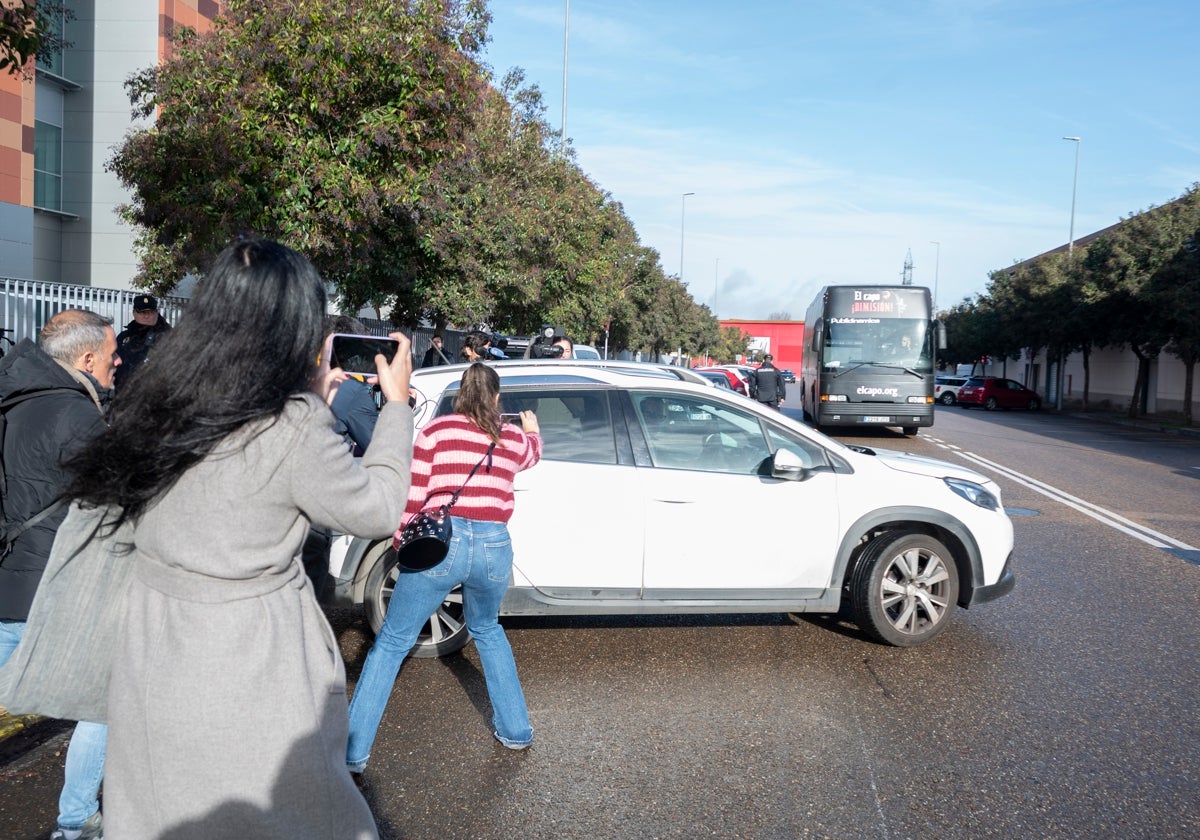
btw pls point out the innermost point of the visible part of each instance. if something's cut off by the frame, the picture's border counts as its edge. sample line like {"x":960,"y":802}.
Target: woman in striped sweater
{"x":480,"y":557}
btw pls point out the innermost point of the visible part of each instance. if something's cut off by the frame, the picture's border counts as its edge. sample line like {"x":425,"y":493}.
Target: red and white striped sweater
{"x":444,"y":453}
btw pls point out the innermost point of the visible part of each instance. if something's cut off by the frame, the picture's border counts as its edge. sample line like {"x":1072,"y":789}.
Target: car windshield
{"x":976,"y":382}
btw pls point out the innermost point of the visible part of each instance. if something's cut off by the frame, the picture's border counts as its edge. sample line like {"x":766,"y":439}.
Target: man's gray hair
{"x":73,"y":332}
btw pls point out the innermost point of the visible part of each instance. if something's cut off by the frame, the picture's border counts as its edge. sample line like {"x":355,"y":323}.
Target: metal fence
{"x":26,"y":306}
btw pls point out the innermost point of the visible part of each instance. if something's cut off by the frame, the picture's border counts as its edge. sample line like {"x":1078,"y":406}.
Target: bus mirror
{"x":817,"y":333}
{"x":940,"y":327}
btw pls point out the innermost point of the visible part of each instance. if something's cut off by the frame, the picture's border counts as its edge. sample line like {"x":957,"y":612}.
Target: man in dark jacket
{"x":63,"y":387}
{"x":136,"y":340}
{"x":767,"y":383}
{"x":436,"y":354}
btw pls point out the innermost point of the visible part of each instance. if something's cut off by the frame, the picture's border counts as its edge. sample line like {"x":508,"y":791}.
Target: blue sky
{"x":824,"y":140}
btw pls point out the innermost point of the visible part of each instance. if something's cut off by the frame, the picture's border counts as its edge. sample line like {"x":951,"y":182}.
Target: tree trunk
{"x":1137,"y":401}
{"x":1189,"y":370}
{"x":1087,"y":373}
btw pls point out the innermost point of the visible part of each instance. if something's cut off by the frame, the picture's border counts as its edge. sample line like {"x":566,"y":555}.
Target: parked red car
{"x":993,"y":392}
{"x":735,"y":381}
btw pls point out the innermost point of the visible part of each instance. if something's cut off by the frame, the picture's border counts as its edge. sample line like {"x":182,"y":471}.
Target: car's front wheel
{"x":904,"y":588}
{"x":947,"y":398}
{"x":991,"y":404}
{"x":446,"y":630}
{"x":1035,"y":404}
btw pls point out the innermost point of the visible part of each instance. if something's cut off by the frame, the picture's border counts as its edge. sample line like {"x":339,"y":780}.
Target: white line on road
{"x":1113,"y":520}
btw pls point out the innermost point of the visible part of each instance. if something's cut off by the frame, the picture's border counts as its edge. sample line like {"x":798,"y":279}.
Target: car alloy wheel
{"x":446,"y":630}
{"x":991,"y":404}
{"x":904,"y":588}
{"x":947,"y":398}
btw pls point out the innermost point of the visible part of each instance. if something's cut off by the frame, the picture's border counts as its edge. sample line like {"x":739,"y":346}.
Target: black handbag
{"x":424,"y":541}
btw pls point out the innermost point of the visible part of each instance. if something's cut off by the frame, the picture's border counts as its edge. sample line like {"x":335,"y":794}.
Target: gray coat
{"x":227,"y":703}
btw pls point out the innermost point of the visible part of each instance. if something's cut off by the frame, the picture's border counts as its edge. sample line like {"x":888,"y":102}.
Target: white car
{"x":586,"y":351}
{"x":653,"y":462}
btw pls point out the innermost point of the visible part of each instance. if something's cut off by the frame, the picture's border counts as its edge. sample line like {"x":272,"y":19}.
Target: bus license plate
{"x":877,"y":419}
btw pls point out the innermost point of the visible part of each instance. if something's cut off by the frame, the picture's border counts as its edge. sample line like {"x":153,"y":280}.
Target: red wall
{"x":785,"y":339}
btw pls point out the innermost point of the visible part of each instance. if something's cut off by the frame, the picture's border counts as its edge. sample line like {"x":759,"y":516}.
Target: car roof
{"x":432,"y":382}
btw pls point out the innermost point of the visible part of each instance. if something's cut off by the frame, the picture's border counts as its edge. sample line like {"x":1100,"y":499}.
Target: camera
{"x":543,"y":347}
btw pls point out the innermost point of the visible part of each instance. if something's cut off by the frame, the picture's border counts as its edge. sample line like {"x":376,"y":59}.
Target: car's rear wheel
{"x":904,"y":588}
{"x":991,"y":404}
{"x":947,"y":398}
{"x":446,"y":630}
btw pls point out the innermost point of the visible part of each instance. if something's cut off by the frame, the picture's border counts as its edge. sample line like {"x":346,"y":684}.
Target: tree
{"x":314,"y":123}
{"x":29,"y":28}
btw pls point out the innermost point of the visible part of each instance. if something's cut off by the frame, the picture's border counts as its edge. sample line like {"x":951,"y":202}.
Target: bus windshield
{"x":901,"y":342}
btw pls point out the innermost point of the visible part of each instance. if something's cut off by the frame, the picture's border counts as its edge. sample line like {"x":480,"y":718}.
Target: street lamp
{"x":716,"y":284}
{"x":1058,"y":389}
{"x":566,"y":33}
{"x":937,"y":261}
{"x":1074,"y":186}
{"x":682,"y":215}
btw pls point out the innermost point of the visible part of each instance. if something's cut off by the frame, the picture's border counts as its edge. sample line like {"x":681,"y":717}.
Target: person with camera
{"x":445,"y":452}
{"x":476,"y":347}
{"x":226,"y":699}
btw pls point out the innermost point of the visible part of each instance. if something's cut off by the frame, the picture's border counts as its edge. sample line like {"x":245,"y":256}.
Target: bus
{"x":868,"y":357}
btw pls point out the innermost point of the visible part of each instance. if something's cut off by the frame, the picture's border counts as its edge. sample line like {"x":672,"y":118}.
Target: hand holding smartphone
{"x":355,"y":354}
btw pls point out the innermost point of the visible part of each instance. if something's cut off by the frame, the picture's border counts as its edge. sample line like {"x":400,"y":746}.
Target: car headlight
{"x":974,"y":493}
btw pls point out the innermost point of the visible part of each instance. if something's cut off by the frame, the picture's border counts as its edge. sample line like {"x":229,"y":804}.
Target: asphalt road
{"x":1065,"y":710}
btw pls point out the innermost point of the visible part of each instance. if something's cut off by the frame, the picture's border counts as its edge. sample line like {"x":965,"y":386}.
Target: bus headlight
{"x":834,"y":398}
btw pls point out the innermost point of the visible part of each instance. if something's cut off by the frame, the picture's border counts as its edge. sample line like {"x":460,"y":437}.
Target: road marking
{"x":1107,"y":517}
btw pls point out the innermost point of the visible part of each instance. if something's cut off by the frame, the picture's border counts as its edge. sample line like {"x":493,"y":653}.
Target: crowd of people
{"x":151,"y":575}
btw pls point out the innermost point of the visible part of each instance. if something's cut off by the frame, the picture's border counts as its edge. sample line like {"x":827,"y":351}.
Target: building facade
{"x":60,"y":123}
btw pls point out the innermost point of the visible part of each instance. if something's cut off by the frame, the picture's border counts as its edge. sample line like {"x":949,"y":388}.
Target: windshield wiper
{"x":857,"y":365}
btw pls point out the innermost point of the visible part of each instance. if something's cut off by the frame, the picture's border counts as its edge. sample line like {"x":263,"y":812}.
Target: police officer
{"x":767,"y":383}
{"x":139,"y":335}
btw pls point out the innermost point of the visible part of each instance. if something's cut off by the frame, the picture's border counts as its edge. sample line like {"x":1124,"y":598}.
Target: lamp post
{"x":562,"y":143}
{"x":937,"y":261}
{"x":1058,"y":389}
{"x":682,"y":216}
{"x":1074,"y":186}
{"x":716,"y":284}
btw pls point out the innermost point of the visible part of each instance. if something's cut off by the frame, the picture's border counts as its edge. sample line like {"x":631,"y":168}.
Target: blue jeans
{"x":80,"y":797}
{"x":480,"y":558}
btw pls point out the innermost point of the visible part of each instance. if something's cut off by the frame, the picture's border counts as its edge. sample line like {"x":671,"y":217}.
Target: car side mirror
{"x":788,"y":465}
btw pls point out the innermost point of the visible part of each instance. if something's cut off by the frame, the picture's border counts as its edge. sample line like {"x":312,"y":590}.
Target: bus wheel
{"x":909,"y":431}
{"x":904,"y":588}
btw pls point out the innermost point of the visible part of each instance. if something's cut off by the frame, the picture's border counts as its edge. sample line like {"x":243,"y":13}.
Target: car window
{"x":686,"y":432}
{"x":975,"y":382}
{"x":575,"y":425}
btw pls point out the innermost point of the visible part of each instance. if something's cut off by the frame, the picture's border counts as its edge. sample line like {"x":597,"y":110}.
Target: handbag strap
{"x":486,"y":457}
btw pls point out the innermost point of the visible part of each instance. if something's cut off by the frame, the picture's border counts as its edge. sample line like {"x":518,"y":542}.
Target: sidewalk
{"x":1149,"y":423}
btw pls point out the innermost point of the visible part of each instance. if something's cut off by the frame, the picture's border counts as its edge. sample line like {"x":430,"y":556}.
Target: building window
{"x":52,"y":62}
{"x":47,"y":166}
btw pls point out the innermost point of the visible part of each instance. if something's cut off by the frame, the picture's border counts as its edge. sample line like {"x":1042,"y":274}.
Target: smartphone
{"x":510,"y":418}
{"x":356,"y":353}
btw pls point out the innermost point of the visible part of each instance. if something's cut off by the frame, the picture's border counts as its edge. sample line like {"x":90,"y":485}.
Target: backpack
{"x":9,"y":531}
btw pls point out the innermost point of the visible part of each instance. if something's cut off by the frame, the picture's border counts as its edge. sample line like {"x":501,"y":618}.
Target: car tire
{"x":446,"y":630}
{"x":946,"y":399}
{"x":904,"y":588}
{"x":1035,"y":404}
{"x":991,"y":404}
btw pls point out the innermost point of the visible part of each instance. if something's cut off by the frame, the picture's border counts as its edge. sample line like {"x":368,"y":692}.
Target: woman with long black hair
{"x":227,"y":706}
{"x":445,"y":452}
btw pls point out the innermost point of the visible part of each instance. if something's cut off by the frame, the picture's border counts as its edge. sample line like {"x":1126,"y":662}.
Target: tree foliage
{"x":29,"y":28}
{"x":367,"y":134}
{"x":1137,"y":286}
